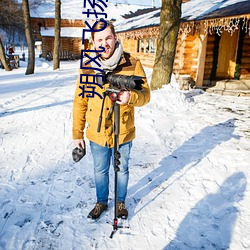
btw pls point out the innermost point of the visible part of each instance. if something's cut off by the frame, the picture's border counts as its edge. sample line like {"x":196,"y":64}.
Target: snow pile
{"x":169,"y":99}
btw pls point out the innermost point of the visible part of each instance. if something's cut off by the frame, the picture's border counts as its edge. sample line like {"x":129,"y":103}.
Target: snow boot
{"x":122,"y":211}
{"x":97,"y":210}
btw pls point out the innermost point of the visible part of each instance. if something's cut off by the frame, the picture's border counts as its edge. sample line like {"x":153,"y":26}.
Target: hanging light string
{"x":218,"y":25}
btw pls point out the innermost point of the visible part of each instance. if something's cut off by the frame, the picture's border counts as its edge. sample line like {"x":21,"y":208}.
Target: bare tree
{"x":169,"y":27}
{"x":11,"y":16}
{"x":11,"y":24}
{"x":3,"y":57}
{"x":28,"y":33}
{"x":56,"y":59}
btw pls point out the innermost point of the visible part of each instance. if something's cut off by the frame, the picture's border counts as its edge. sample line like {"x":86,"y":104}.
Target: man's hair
{"x":99,"y":25}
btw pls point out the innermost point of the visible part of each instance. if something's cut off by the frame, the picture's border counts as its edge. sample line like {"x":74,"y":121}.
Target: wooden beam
{"x":201,"y":60}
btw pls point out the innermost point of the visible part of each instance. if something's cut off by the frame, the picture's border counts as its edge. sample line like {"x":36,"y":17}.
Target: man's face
{"x":106,"y":39}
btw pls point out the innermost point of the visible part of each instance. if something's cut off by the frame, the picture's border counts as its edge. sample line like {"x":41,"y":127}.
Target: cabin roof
{"x":74,"y":32}
{"x":208,"y":9}
{"x":193,"y":10}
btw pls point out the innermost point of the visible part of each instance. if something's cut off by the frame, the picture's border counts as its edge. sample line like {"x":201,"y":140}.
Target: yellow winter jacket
{"x":88,"y":109}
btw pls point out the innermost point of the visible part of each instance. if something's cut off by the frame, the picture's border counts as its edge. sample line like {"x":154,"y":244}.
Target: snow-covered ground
{"x":189,"y":170}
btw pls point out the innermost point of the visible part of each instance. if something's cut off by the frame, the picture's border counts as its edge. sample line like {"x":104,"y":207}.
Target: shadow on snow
{"x":209,"y":225}
{"x":190,"y":153}
{"x":23,"y":110}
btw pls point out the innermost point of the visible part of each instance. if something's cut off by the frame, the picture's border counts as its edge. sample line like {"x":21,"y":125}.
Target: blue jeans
{"x":102,"y":157}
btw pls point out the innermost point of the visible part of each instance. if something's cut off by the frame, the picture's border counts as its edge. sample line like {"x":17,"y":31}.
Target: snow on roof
{"x":73,"y":10}
{"x":38,"y":42}
{"x":146,"y":20}
{"x":197,"y":9}
{"x":192,"y":10}
{"x":139,"y":2}
{"x":65,"y":32}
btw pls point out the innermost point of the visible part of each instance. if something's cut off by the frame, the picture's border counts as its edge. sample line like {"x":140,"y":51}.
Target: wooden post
{"x":201,"y":60}
{"x":149,"y":45}
{"x":145,"y":45}
{"x":140,"y":41}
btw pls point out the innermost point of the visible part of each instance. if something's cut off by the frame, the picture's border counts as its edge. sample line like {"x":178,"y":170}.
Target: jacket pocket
{"x":127,"y":120}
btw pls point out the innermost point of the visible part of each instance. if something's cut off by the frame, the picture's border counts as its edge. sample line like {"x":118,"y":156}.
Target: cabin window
{"x":146,"y":45}
{"x":140,"y":45}
{"x":152,"y":45}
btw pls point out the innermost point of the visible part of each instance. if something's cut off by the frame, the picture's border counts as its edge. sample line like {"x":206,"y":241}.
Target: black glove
{"x":78,"y":153}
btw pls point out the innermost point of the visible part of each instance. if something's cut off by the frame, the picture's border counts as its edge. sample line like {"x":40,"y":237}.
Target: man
{"x":11,"y":50}
{"x":115,"y":60}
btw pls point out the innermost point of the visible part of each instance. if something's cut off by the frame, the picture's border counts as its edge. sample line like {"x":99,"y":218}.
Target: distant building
{"x":71,"y":35}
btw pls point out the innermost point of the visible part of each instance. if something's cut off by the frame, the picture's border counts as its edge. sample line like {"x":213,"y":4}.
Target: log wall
{"x":73,"y":45}
{"x":188,"y":53}
{"x":132,"y":46}
{"x":179,"y":56}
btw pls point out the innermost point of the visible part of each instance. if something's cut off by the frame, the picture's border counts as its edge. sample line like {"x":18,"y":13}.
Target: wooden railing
{"x":63,"y":55}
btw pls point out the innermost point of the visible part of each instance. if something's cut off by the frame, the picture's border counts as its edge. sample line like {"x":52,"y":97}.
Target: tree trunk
{"x":3,"y":57}
{"x":169,"y":27}
{"x":56,"y":59}
{"x":29,"y":38}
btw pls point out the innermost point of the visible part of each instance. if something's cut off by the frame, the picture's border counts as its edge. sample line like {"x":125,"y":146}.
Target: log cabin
{"x":71,"y":37}
{"x":213,"y":41}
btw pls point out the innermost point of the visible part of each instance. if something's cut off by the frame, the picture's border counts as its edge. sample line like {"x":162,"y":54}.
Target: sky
{"x":189,"y":169}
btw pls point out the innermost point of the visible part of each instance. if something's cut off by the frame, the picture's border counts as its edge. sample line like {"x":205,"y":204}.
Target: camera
{"x":122,"y":82}
{"x":117,"y":83}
